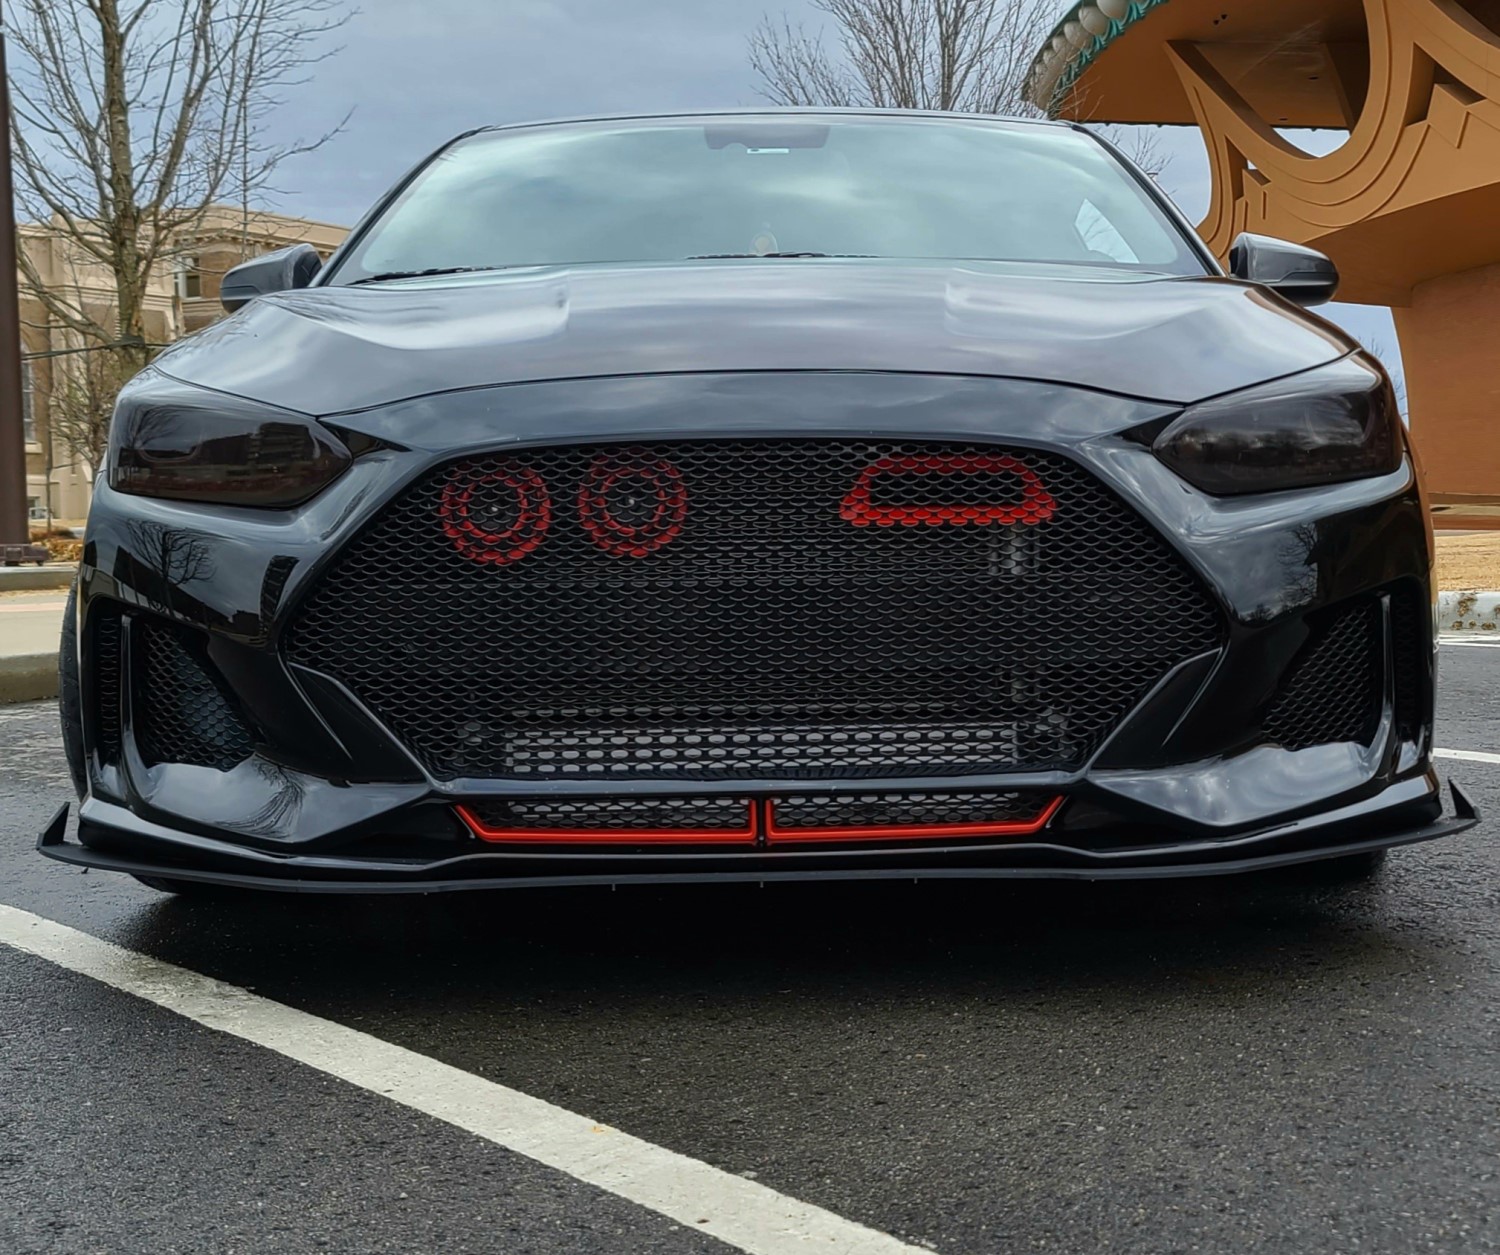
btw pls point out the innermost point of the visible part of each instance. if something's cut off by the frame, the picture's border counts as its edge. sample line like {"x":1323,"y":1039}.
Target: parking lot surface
{"x":1277,"y":1063}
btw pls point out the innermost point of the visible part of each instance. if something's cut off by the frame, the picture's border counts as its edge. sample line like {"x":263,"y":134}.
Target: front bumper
{"x":326,"y":798}
{"x":114,"y":840}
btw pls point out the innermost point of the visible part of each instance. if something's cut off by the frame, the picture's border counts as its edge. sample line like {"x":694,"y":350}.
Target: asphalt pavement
{"x":1275,"y":1064}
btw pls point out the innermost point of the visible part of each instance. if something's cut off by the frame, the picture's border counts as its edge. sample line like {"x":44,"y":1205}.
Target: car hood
{"x":1177,"y":340}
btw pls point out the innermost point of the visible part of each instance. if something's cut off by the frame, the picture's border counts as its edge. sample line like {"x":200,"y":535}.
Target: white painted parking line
{"x":1458,"y":638}
{"x":1468,"y":756}
{"x":741,"y":1213}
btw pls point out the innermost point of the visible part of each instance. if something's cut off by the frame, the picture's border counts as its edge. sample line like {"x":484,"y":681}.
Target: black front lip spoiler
{"x":378,"y":878}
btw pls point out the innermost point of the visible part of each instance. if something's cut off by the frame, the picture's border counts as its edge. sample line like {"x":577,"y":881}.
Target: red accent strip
{"x":614,"y":836}
{"x":1037,"y":505}
{"x":1006,"y":828}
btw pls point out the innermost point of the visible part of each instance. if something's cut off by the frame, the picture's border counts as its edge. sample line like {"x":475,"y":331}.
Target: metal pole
{"x":13,"y":520}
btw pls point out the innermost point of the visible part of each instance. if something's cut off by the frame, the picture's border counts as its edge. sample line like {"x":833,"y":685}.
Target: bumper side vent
{"x":183,"y":716}
{"x":1411,"y":645}
{"x":1333,"y":693}
{"x":106,"y":679}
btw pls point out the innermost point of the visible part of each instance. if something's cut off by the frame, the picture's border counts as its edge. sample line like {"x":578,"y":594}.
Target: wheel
{"x":69,"y":705}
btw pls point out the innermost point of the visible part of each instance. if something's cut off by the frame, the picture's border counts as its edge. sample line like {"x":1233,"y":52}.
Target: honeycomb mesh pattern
{"x":617,"y":813}
{"x":183,"y":717}
{"x":1333,"y":692}
{"x":105,"y":674}
{"x":753,"y":609}
{"x":892,"y":810}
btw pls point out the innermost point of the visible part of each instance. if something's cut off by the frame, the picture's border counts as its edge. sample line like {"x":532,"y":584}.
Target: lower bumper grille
{"x":671,"y":821}
{"x":754,"y":609}
{"x":811,"y":819}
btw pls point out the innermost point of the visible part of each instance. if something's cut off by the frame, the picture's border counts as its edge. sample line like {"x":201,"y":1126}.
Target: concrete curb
{"x":1476,"y":614}
{"x":28,"y":677}
{"x":16,"y":579}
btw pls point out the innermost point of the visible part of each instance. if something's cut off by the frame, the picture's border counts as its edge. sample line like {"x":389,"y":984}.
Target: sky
{"x":413,"y":73}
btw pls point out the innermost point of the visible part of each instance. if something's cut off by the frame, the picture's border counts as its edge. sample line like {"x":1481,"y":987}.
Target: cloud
{"x":416,"y":74}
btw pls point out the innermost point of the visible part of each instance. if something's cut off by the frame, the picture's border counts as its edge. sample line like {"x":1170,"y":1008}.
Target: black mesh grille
{"x":105,"y":676}
{"x":892,"y":810}
{"x":1334,"y":689}
{"x":785,"y":609}
{"x":618,"y":813}
{"x":183,"y":717}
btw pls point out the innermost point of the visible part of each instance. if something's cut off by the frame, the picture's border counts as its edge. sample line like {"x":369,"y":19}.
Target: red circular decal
{"x":631,"y":503}
{"x":1036,"y":504}
{"x":495,"y":516}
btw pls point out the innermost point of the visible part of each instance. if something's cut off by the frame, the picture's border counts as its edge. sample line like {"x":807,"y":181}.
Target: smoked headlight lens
{"x":171,"y":440}
{"x":1324,"y":426}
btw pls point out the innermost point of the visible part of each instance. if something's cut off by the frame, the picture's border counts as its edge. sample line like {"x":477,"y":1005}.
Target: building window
{"x":189,"y":279}
{"x":34,"y":508}
{"x":28,"y":409}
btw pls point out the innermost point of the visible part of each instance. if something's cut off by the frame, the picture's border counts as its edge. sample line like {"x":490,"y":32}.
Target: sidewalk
{"x":29,"y":626}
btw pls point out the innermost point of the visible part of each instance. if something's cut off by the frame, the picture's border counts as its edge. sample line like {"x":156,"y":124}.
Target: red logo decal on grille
{"x":495,"y":516}
{"x":1035,"y":506}
{"x":631,"y":503}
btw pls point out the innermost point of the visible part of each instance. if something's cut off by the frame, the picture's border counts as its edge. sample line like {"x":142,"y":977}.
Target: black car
{"x":756,"y":495}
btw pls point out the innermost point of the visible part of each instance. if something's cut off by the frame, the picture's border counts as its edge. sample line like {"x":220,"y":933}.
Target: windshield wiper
{"x":727,"y":256}
{"x":420,"y":274}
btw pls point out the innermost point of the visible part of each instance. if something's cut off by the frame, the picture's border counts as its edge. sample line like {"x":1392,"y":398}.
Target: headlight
{"x":171,"y":440}
{"x":1324,"y":426}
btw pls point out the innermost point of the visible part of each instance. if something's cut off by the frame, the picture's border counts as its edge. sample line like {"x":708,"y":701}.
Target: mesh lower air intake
{"x":183,"y":717}
{"x":1333,"y":691}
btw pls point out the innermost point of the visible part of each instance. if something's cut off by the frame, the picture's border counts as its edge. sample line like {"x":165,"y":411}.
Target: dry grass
{"x":64,"y":549}
{"x":1468,"y":561}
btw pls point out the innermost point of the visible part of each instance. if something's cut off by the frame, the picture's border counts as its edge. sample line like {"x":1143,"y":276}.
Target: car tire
{"x":69,"y":703}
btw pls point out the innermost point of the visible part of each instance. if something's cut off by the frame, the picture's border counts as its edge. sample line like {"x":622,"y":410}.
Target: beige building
{"x":1408,"y":206}
{"x":183,"y":296}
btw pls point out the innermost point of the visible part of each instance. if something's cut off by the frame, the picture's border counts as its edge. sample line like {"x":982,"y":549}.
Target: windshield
{"x":753,"y":186}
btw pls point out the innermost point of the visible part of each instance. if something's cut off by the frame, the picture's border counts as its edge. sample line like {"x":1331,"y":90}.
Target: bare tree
{"x":170,"y":559}
{"x":965,"y":56}
{"x":132,"y":118}
{"x":971,"y":56}
{"x":1377,"y":348}
{"x":81,"y":402}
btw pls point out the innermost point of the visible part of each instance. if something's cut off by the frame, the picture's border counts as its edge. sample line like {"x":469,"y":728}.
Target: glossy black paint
{"x":333,"y":350}
{"x":1303,"y":275}
{"x":1186,"y":767}
{"x":1352,"y":833}
{"x":285,"y":270}
{"x":1072,"y":360}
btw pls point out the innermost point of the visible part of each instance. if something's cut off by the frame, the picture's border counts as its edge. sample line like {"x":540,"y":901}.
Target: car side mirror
{"x":1303,"y":275}
{"x":281,"y":271}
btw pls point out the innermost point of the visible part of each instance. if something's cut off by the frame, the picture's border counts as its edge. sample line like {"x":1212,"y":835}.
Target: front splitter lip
{"x":1323,"y":837}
